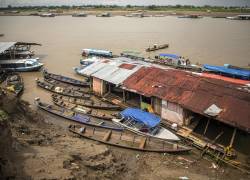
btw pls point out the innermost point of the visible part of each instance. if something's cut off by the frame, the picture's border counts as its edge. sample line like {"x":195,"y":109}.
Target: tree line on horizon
{"x":149,"y":7}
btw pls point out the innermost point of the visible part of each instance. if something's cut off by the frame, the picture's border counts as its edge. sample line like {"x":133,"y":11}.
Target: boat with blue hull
{"x":76,"y":117}
{"x":228,"y":71}
{"x":21,"y":65}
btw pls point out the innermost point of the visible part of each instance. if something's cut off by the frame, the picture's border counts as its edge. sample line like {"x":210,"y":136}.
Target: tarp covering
{"x":244,"y":74}
{"x":138,"y":115}
{"x":97,"y":52}
{"x":174,"y":56}
{"x":213,"y":110}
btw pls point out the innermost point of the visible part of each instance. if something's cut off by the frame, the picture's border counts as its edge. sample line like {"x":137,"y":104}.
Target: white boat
{"x":21,"y":65}
{"x":145,"y":124}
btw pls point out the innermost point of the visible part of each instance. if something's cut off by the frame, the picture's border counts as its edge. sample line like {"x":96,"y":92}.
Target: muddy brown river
{"x":206,"y":40}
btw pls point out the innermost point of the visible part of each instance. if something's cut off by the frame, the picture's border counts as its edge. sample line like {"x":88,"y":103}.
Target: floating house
{"x":183,"y":98}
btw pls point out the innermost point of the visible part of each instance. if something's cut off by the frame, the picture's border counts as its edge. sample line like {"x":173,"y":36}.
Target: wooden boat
{"x":14,"y":83}
{"x":81,"y":109}
{"x":65,"y":79}
{"x":1,"y":35}
{"x":127,"y":140}
{"x":86,"y":103}
{"x":73,"y":88}
{"x":61,"y":90}
{"x":77,"y":117}
{"x":145,"y":124}
{"x":157,"y":47}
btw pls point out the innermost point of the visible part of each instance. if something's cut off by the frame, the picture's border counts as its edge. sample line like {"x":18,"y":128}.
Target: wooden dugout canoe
{"x":128,"y":140}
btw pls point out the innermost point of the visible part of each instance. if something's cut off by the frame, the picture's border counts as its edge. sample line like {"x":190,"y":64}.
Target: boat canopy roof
{"x":174,"y":56}
{"x":244,"y":74}
{"x":139,"y":115}
{"x":97,"y":51}
{"x":5,"y":46}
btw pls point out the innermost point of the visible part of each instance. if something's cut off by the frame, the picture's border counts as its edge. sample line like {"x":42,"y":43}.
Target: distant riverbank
{"x":121,"y":11}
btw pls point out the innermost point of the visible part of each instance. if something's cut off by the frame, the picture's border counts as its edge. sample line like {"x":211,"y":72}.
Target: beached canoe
{"x":65,"y":79}
{"x":127,"y":140}
{"x":87,"y":103}
{"x":74,"y":88}
{"x":77,"y":117}
{"x":14,"y":83}
{"x":82,"y":109}
{"x":157,"y":47}
{"x":62,"y":90}
{"x":145,"y":124}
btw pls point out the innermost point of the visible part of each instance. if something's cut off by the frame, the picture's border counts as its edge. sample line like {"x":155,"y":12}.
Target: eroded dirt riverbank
{"x":37,"y":145}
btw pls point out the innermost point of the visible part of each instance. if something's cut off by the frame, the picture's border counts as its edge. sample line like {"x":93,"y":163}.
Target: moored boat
{"x":157,"y":47}
{"x":14,"y":83}
{"x":47,"y":15}
{"x":79,"y":15}
{"x":86,"y":103}
{"x":97,"y":52}
{"x":21,"y":65}
{"x":65,"y":79}
{"x":128,"y":140}
{"x":77,"y":117}
{"x":145,"y":124}
{"x":62,"y":90}
{"x":81,"y":109}
{"x":231,"y":72}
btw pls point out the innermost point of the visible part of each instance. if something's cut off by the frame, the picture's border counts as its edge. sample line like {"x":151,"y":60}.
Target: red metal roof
{"x":195,"y":93}
{"x":127,"y":66}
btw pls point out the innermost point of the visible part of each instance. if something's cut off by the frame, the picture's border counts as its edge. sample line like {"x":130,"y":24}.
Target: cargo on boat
{"x":76,"y":117}
{"x":86,"y":103}
{"x":65,"y":79}
{"x":14,"y":83}
{"x":21,"y":65}
{"x":62,"y":90}
{"x":144,"y":123}
{"x":81,"y":109}
{"x":128,"y":140}
{"x":157,"y":47}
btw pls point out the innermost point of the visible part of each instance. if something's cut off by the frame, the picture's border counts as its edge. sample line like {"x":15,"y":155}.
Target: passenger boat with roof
{"x":21,"y":65}
{"x":144,"y":123}
{"x":97,"y":52}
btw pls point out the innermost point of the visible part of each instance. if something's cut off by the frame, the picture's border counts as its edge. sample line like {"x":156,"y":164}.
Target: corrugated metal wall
{"x":97,"y":86}
{"x":172,"y":112}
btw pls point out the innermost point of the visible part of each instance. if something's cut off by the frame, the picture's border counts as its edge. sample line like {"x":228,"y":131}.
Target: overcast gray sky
{"x":4,"y":3}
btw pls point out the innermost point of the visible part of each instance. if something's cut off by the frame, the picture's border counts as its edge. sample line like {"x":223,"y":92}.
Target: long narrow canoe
{"x":65,"y":79}
{"x":128,"y":140}
{"x":77,"y":117}
{"x":75,"y":88}
{"x":87,"y":103}
{"x":62,"y":90}
{"x":81,"y":109}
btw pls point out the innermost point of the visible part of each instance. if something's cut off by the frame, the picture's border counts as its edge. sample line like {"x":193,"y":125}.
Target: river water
{"x":206,"y":40}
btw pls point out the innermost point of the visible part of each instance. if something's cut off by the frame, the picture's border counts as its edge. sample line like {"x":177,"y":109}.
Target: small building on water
{"x":176,"y":96}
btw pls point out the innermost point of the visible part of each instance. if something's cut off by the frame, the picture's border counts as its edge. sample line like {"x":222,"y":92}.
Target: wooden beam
{"x":124,"y":95}
{"x":208,"y":121}
{"x":233,"y":137}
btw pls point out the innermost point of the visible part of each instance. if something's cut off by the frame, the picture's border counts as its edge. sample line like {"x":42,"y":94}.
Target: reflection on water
{"x":206,"y":40}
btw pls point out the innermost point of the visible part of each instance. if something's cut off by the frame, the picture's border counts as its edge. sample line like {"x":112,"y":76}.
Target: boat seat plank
{"x":142,"y":143}
{"x":107,"y":136}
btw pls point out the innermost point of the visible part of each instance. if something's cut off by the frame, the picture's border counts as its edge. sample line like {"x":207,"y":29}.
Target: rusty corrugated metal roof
{"x":195,"y":93}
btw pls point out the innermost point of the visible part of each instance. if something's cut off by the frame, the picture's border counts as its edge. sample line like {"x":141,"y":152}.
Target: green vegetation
{"x":205,"y":8}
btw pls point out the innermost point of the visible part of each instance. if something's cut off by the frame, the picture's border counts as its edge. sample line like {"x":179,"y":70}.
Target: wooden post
{"x":124,"y":95}
{"x":233,"y":137}
{"x":206,"y":127}
{"x":140,"y":100}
